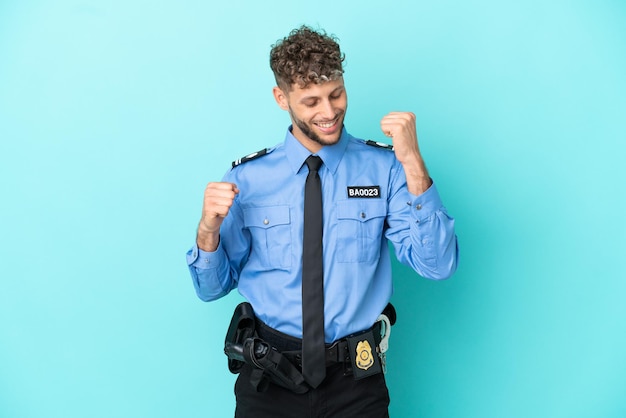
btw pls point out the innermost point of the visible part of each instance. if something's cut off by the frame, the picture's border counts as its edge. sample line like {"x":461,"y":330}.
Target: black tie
{"x":313,"y":349}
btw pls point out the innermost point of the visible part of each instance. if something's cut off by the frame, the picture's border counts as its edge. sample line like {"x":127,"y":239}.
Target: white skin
{"x":317,"y":113}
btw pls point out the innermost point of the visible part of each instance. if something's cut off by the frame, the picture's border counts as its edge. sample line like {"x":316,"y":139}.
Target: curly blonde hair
{"x":306,"y":56}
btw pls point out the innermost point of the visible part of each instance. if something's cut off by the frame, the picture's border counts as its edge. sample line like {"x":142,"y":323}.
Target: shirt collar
{"x":330,"y":154}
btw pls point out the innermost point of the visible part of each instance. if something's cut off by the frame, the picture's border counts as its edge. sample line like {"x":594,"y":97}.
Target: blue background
{"x":114,"y":115}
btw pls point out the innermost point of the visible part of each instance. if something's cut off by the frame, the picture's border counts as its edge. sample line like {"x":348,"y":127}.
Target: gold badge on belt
{"x":364,"y":358}
{"x":363,"y":355}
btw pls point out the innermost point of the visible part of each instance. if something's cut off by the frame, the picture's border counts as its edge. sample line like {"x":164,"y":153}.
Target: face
{"x":317,"y":112}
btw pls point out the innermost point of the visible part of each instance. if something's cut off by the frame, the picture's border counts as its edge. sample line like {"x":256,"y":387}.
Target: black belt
{"x":277,"y":358}
{"x":290,"y":347}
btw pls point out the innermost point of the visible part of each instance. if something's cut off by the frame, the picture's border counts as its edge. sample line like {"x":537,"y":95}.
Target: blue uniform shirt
{"x":366,"y":205}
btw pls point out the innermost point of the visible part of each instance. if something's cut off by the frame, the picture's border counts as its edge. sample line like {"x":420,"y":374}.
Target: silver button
{"x":418,"y":207}
{"x":266,"y":221}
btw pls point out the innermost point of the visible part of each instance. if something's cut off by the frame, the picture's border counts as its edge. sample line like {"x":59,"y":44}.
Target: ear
{"x":281,"y":98}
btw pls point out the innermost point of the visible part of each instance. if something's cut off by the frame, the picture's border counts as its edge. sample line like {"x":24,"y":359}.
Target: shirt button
{"x":418,"y":207}
{"x":266,"y":221}
{"x":363,"y":215}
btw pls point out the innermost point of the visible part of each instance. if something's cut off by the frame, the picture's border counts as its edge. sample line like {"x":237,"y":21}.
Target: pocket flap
{"x":266,"y":216}
{"x":361,"y":210}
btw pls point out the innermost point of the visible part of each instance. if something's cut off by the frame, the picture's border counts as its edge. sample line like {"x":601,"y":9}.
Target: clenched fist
{"x":218,"y":199}
{"x":400,"y":127}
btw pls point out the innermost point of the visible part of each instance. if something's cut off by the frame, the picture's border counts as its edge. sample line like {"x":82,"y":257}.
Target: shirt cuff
{"x":204,"y":259}
{"x":424,"y":205}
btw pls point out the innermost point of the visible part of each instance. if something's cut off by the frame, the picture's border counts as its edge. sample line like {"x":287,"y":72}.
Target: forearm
{"x":417,"y":178}
{"x":400,"y":126}
{"x":207,"y":240}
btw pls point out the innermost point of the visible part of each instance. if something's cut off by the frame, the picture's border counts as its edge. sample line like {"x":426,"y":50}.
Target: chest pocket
{"x":359,"y":230}
{"x":270,"y":228}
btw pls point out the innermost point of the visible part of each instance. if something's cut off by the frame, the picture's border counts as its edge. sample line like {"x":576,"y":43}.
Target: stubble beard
{"x":308,"y":131}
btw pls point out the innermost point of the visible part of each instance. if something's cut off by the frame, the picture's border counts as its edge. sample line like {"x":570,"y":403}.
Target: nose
{"x":327,"y":110}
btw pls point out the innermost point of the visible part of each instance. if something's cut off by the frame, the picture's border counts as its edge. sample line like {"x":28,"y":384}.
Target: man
{"x":255,"y":227}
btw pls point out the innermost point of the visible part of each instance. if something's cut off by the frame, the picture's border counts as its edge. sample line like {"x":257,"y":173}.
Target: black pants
{"x":338,"y":396}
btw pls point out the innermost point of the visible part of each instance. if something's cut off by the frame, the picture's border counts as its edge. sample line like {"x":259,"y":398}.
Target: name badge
{"x":364,"y":192}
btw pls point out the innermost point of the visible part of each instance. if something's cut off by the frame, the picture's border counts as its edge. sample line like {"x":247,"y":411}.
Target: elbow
{"x":439,"y":274}
{"x":452,"y":260}
{"x":208,"y":290}
{"x":446,"y":264}
{"x":204,"y":297}
{"x":446,"y":273}
{"x":209,"y":294}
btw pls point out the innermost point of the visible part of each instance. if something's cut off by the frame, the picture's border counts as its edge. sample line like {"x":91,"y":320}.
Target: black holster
{"x":242,"y":346}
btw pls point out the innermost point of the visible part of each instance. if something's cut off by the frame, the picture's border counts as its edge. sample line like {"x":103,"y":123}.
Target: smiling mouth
{"x":326,"y":125}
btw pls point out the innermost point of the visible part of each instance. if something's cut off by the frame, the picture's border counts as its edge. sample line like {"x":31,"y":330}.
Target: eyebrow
{"x":317,"y":97}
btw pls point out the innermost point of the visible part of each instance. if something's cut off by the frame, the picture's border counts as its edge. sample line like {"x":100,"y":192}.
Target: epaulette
{"x":379,"y":144}
{"x":251,"y":157}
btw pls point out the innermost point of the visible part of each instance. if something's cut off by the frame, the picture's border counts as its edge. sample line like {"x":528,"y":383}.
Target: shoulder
{"x":368,"y":145}
{"x":376,"y":144}
{"x":376,"y":154}
{"x":253,"y":156}
{"x":371,"y":148}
